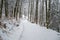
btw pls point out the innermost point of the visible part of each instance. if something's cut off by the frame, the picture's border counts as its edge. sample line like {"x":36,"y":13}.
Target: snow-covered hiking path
{"x":29,"y":31}
{"x":35,"y":32}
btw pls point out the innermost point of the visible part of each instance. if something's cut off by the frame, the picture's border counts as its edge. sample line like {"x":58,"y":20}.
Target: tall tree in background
{"x":31,"y":12}
{"x":6,"y":8}
{"x":1,"y":6}
{"x":20,"y":13}
{"x":36,"y":13}
{"x":41,"y":18}
{"x":16,"y":9}
{"x":12,"y":12}
{"x":47,"y":13}
{"x":42,"y":12}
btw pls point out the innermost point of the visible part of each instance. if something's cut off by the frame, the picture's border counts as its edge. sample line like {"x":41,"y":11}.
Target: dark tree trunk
{"x":20,"y":14}
{"x":36,"y":13}
{"x":47,"y":13}
{"x":16,"y":9}
{"x":32,"y":6}
{"x":6,"y":8}
{"x":1,"y":6}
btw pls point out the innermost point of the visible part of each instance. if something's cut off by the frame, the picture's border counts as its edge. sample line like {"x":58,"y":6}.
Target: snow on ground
{"x":27,"y":31}
{"x":35,"y":32}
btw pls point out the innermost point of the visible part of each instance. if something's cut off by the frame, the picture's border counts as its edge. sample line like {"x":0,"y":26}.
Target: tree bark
{"x":20,"y":13}
{"x":31,"y":12}
{"x":6,"y":8}
{"x":47,"y":13}
{"x":16,"y":9}
{"x":36,"y":13}
{"x":1,"y":6}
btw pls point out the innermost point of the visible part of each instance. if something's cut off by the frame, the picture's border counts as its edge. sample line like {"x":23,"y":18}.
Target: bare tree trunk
{"x":1,"y":6}
{"x":12,"y":12}
{"x":31,"y":13}
{"x":42,"y":12}
{"x":47,"y":13}
{"x":36,"y":13}
{"x":20,"y":13}
{"x":6,"y":8}
{"x":29,"y":10}
{"x":41,"y":20}
{"x":16,"y":9}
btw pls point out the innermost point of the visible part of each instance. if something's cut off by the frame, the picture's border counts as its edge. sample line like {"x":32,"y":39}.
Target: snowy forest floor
{"x":25,"y":30}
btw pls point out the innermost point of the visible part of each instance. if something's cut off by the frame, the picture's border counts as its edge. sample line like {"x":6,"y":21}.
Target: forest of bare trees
{"x":42,"y":12}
